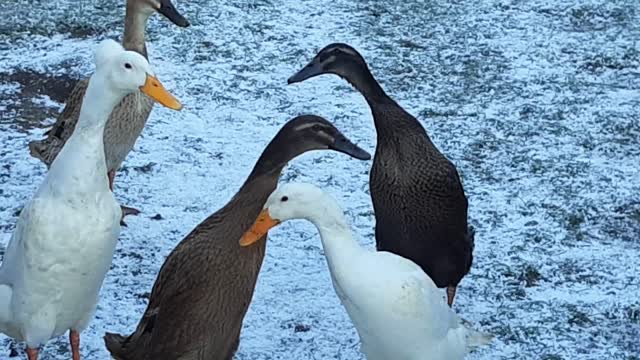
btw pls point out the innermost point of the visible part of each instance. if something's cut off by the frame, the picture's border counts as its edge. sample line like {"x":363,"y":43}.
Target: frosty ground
{"x":536,"y":102}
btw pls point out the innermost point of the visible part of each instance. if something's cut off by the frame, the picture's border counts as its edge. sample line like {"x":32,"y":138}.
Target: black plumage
{"x":418,"y":198}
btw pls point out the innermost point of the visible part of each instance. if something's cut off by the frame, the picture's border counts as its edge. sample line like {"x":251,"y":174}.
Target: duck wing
{"x":417,"y":293}
{"x":422,"y":215}
{"x":14,"y":254}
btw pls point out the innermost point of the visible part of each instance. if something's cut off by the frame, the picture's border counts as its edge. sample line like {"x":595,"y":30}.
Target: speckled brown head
{"x":337,"y":58}
{"x":310,"y":132}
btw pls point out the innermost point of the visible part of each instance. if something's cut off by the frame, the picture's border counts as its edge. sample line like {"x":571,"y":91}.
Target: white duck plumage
{"x":65,"y":237}
{"x":396,"y":308}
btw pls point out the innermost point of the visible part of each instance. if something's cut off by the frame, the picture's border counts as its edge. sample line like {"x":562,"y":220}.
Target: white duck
{"x":396,"y":308}
{"x":64,"y":240}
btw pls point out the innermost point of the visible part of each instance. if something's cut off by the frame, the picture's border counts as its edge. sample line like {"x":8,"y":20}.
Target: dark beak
{"x":167,"y":9}
{"x":314,"y":68}
{"x":344,"y":145}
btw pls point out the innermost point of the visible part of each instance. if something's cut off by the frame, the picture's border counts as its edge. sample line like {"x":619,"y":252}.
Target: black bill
{"x":314,"y":68}
{"x":344,"y":145}
{"x":167,"y":9}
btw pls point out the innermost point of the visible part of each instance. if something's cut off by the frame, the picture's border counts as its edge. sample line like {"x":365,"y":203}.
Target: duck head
{"x":310,"y":132}
{"x":291,"y":201}
{"x":164,"y":7}
{"x":125,"y":71}
{"x":338,"y":58}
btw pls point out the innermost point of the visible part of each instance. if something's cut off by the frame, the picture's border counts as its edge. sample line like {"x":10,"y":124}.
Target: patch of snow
{"x":535,"y":102}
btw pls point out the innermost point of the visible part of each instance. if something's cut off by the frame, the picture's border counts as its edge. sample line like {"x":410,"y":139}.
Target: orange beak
{"x":153,"y":88}
{"x":259,"y":229}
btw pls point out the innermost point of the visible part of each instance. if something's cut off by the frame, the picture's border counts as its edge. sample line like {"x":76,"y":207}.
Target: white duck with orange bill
{"x":395,"y":307}
{"x":63,"y":243}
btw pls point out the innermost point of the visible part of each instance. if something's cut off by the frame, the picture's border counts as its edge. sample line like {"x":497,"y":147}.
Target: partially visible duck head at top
{"x":164,"y":7}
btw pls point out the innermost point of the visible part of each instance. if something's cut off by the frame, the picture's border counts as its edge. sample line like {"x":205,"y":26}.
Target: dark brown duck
{"x":204,"y":288}
{"x":418,"y":199}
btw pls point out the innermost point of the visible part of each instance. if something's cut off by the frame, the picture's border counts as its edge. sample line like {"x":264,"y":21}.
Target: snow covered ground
{"x":536,"y":102}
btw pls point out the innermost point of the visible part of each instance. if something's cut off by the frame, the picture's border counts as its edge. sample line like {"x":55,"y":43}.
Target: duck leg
{"x":112,"y":176}
{"x":125,"y":209}
{"x":74,"y":340}
{"x":451,"y":293}
{"x":32,"y":354}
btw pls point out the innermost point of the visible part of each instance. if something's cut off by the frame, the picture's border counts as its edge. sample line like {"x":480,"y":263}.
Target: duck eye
{"x":127,"y":66}
{"x":284,"y":198}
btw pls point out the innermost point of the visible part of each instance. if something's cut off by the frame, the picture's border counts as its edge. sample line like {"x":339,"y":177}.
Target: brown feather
{"x":127,"y":119}
{"x":206,"y":284}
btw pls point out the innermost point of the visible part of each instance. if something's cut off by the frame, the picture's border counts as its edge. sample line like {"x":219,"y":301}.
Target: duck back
{"x":418,"y":199}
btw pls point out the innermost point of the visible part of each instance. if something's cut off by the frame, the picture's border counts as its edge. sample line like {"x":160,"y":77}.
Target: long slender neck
{"x":368,"y":86}
{"x":249,"y":200}
{"x":97,"y":104}
{"x":135,"y":24}
{"x":388,"y":116}
{"x":275,"y":157}
{"x":336,"y":235}
{"x":82,"y":156}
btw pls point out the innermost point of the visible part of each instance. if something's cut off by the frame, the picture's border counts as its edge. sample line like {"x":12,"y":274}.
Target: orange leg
{"x":74,"y":340}
{"x":451,"y":293}
{"x":32,"y":354}
{"x":111,"y":175}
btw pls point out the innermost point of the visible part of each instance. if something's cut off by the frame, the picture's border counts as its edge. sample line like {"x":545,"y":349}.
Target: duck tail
{"x":35,"y":149}
{"x":471,"y":240}
{"x":115,"y":344}
{"x":471,"y":236}
{"x":39,"y":149}
{"x":474,"y":337}
{"x":477,"y":338}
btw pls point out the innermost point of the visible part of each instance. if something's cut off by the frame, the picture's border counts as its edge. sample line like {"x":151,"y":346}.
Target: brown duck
{"x":204,"y":287}
{"x":129,"y":117}
{"x":418,"y":199}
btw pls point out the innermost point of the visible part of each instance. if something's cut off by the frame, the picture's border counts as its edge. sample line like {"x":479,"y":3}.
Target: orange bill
{"x":154,"y":89}
{"x":259,"y":228}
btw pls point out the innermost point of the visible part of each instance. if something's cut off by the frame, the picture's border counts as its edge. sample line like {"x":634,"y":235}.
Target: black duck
{"x":418,"y":199}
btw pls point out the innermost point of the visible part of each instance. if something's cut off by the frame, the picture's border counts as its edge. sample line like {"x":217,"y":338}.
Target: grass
{"x":534,"y":101}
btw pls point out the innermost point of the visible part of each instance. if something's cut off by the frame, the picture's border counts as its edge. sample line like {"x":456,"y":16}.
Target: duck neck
{"x":274,"y":158}
{"x":97,"y":104}
{"x":378,"y":100}
{"x":263,"y":179}
{"x":336,"y":236}
{"x":368,"y":86}
{"x":81,"y":161}
{"x":135,"y":24}
{"x":253,"y":194}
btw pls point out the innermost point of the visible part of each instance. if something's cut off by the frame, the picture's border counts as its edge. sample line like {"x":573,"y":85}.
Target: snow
{"x":536,"y":103}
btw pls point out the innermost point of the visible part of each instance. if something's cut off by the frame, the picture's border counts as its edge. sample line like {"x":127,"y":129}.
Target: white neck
{"x":337,"y":238}
{"x":82,"y":157}
{"x":97,"y":104}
